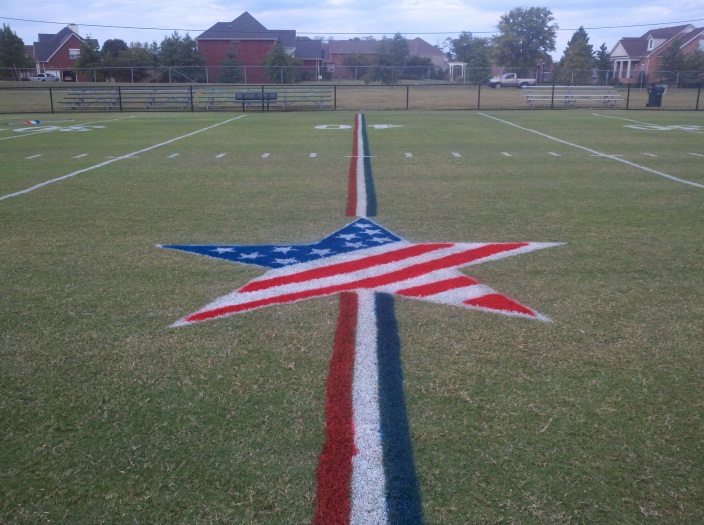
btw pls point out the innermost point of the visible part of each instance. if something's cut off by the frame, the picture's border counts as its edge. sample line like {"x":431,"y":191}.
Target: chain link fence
{"x":35,"y":97}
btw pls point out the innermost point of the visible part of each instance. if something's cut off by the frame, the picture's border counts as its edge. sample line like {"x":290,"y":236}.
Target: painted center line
{"x":110,"y":161}
{"x":594,"y":152}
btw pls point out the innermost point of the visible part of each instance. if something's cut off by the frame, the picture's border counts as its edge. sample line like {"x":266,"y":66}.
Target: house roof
{"x":246,"y":27}
{"x":418,"y":46}
{"x":49,"y":44}
{"x":637,"y":47}
{"x":345,"y":47}
{"x":307,"y":48}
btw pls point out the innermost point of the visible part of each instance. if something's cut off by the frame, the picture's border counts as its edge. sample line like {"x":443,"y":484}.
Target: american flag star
{"x":377,"y":260}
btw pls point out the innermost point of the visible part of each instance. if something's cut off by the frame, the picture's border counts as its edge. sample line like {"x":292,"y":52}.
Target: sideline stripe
{"x":594,"y":152}
{"x":129,"y":155}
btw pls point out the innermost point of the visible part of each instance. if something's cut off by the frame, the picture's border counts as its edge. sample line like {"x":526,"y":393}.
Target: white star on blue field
{"x":357,"y":235}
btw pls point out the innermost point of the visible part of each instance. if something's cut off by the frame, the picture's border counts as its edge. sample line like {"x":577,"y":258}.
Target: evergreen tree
{"x":12,"y":54}
{"x":231,"y":68}
{"x":280,"y":66}
{"x":392,"y":54}
{"x":672,"y":61}
{"x":602,"y":63}
{"x":577,"y":61}
{"x":89,"y":58}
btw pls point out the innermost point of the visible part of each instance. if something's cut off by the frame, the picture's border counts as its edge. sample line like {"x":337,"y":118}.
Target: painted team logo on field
{"x":363,"y":256}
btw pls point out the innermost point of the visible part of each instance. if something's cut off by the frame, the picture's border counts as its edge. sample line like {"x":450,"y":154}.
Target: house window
{"x":73,"y":53}
{"x":650,"y":44}
{"x":700,"y":44}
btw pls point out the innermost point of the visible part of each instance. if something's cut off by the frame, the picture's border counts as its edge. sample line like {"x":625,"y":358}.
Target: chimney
{"x":73,"y":27}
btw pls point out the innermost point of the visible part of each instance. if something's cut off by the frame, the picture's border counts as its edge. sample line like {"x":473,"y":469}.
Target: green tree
{"x":526,"y":37}
{"x":602,"y":62}
{"x":181,"y":54}
{"x":392,"y":55}
{"x":672,"y":61}
{"x":577,"y":61}
{"x":359,"y":62}
{"x":693,"y":69}
{"x":89,"y":58}
{"x":417,"y":67}
{"x":12,"y":54}
{"x":112,"y":48}
{"x":475,"y":52}
{"x":231,"y":68}
{"x":281,"y":67}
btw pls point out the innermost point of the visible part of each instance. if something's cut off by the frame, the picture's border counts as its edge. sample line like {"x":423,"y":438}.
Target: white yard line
{"x":594,"y":152}
{"x":110,"y":161}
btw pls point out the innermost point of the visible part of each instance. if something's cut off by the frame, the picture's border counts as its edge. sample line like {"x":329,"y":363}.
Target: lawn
{"x":111,"y":415}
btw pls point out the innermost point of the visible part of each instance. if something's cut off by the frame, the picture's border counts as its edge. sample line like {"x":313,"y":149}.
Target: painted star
{"x":425,"y":271}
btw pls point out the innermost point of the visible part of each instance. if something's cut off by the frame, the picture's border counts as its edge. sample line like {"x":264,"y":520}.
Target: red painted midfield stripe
{"x":425,"y":290}
{"x":332,"y":505}
{"x":450,"y":261}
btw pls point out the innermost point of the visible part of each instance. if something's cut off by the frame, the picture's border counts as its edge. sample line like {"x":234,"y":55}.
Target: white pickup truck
{"x":510,"y":80}
{"x":44,"y":77}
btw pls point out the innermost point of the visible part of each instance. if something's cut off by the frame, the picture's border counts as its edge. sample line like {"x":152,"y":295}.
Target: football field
{"x":115,"y":408}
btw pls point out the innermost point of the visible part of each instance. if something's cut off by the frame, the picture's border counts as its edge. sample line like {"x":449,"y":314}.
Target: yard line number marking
{"x":110,"y":161}
{"x":594,"y":152}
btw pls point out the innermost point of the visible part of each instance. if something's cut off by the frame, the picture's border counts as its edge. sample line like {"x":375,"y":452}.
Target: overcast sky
{"x":432,"y":20}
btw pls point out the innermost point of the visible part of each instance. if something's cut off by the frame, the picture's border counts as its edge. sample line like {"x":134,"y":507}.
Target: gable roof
{"x":418,"y":46}
{"x":345,"y":47}
{"x":307,"y":48}
{"x":49,"y":44}
{"x":637,"y":47}
{"x":246,"y":27}
{"x":667,"y":32}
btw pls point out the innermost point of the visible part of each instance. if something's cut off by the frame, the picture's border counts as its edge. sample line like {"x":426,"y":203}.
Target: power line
{"x":327,"y":33}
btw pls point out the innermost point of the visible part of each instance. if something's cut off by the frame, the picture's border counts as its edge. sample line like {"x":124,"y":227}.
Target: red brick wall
{"x":248,"y":53}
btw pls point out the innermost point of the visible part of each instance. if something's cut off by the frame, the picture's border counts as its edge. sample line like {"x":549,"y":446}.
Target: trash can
{"x":655,"y":93}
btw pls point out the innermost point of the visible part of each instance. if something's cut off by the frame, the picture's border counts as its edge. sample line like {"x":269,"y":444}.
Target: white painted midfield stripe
{"x":649,"y":154}
{"x":554,"y":154}
{"x":80,"y":156}
{"x":594,"y":152}
{"x":697,"y":154}
{"x":361,"y":209}
{"x":173,"y":156}
{"x":110,"y":161}
{"x":368,"y":505}
{"x":33,"y":156}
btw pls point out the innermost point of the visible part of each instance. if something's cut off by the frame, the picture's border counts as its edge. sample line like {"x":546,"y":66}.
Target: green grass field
{"x":109,"y":415}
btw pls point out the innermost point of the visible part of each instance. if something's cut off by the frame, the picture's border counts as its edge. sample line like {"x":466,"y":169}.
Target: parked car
{"x":44,"y":77}
{"x":510,"y":80}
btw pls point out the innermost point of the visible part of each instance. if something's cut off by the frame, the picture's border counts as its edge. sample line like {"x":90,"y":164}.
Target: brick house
{"x":336,"y":51}
{"x":57,"y":53}
{"x":636,"y":57}
{"x":250,"y":42}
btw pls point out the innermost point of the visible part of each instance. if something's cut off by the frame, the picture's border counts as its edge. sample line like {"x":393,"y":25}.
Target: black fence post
{"x":628,"y":96}
{"x":408,"y":93}
{"x":334,"y":97}
{"x":119,"y":97}
{"x":699,"y":92}
{"x":192,"y":96}
{"x":552,"y":97}
{"x":51,"y":99}
{"x":479,"y":96}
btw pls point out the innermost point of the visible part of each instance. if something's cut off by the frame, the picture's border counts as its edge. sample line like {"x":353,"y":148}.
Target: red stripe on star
{"x":425,"y":290}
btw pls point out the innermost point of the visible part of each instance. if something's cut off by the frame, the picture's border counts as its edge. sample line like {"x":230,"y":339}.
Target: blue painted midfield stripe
{"x":368,"y":179}
{"x":403,"y":494}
